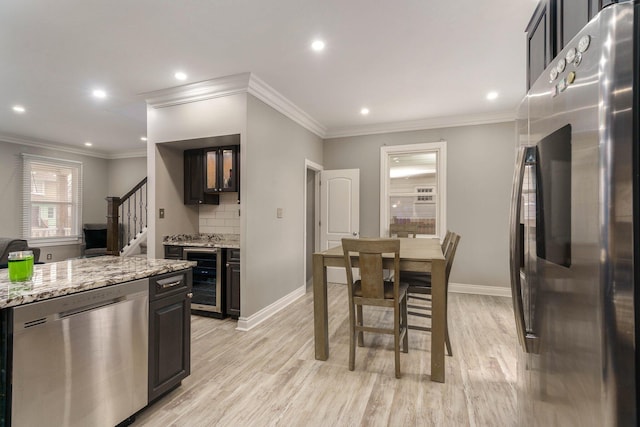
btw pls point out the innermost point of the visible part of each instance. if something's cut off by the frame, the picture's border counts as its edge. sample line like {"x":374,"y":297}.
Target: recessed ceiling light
{"x":143,"y":138}
{"x":99,"y":93}
{"x":19,"y":109}
{"x":180,"y":75}
{"x":88,"y":144}
{"x":492,"y":95}
{"x":317,"y":45}
{"x":364,"y":111}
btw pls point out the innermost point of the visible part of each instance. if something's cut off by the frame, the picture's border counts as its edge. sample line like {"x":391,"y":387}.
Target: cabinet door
{"x":212,"y":176}
{"x":229,"y":169}
{"x":233,"y":289}
{"x":194,"y":180}
{"x":538,"y":43}
{"x":169,"y":343}
{"x":571,"y":16}
{"x":193,"y":170}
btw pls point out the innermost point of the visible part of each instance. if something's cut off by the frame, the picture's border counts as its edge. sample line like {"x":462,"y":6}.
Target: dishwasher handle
{"x":89,"y":307}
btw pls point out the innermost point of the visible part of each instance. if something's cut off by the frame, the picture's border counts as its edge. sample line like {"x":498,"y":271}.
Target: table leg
{"x":320,"y":313}
{"x":438,"y":301}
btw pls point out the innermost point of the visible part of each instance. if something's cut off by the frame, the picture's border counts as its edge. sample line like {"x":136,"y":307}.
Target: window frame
{"x":441,"y":183}
{"x":28,"y":161}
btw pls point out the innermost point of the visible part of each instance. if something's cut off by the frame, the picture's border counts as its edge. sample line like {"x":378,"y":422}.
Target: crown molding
{"x":50,"y":145}
{"x":268,"y":95}
{"x":199,"y":91}
{"x":55,"y":146}
{"x":232,"y":85}
{"x":252,"y":84}
{"x":422,"y":124}
{"x":127,"y":154}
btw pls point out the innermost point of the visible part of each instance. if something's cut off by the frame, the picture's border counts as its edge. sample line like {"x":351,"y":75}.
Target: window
{"x":52,"y":190}
{"x":413,"y":190}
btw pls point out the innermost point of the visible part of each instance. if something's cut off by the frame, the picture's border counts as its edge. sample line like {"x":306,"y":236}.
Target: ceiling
{"x":413,"y":63}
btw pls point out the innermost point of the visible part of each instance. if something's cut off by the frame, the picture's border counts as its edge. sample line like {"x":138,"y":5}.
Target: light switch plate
{"x":279,"y":212}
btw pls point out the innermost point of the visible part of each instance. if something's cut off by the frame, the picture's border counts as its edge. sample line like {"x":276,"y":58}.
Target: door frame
{"x":316,"y":169}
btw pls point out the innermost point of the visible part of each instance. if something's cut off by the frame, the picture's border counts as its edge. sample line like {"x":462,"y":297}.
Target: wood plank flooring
{"x":269,"y":376}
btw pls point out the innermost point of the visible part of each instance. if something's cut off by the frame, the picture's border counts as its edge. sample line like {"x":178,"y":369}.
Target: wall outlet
{"x":49,"y":257}
{"x":161,"y":214}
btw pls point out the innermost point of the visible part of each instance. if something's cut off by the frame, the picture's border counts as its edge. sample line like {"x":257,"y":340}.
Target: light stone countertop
{"x":204,"y":240}
{"x":76,"y":275}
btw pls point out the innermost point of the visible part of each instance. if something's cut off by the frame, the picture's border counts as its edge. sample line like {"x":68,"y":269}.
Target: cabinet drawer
{"x":173,"y":252}
{"x":168,"y":284}
{"x":233,"y":255}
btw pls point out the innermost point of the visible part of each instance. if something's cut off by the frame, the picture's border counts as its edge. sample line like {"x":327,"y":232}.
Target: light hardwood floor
{"x":269,"y":376}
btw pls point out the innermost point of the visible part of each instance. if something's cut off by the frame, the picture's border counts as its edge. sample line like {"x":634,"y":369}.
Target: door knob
{"x":355,"y":233}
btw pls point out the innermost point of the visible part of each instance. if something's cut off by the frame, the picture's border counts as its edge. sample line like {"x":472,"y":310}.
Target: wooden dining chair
{"x":373,"y":290}
{"x":420,"y":289}
{"x":408,"y":229}
{"x":410,"y":275}
{"x":446,"y":240}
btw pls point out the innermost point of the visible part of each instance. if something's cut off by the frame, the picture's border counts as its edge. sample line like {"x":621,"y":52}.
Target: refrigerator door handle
{"x":527,"y":340}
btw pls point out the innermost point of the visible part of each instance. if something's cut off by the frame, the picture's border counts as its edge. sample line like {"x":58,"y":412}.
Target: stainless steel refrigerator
{"x":575,"y":231}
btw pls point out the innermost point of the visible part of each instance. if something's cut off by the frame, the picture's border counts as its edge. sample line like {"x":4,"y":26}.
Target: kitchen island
{"x":84,"y":339}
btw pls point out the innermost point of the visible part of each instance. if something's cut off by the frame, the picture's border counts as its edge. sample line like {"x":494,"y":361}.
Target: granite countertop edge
{"x":203,"y":240}
{"x":204,"y":244}
{"x":72,"y":276}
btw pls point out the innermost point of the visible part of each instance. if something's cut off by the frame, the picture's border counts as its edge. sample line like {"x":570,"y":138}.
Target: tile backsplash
{"x":223,"y":218}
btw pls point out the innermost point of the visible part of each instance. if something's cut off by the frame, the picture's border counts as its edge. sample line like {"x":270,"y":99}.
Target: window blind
{"x":52,"y":199}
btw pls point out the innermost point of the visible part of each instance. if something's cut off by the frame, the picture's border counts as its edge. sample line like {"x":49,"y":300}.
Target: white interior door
{"x":340,"y":212}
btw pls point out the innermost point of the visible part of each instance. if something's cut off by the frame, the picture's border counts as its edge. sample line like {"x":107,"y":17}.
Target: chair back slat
{"x":450,"y":254}
{"x":403,"y":230}
{"x":446,"y":240}
{"x":369,"y":253}
{"x":371,"y":277}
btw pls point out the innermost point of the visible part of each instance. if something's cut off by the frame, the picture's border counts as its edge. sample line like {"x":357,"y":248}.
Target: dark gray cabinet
{"x":194,"y":179}
{"x":169,"y":331}
{"x":232,"y":282}
{"x":173,"y":252}
{"x":221,"y":169}
{"x":553,"y":24}
{"x":539,"y":51}
{"x":570,"y":17}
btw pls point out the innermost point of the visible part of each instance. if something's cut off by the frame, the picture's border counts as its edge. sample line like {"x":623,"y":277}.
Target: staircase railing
{"x":126,"y":217}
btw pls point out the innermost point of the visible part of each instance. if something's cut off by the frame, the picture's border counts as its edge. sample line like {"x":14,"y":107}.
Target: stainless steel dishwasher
{"x":81,"y":359}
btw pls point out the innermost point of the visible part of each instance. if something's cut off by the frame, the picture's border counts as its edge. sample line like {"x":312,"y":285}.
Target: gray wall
{"x":274,"y":176}
{"x":124,"y":174}
{"x":94,"y":206}
{"x":165,"y":168}
{"x":480,"y":162}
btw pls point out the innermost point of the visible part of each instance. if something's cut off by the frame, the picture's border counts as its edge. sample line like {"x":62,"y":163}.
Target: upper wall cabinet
{"x":221,"y":169}
{"x":194,"y":180}
{"x":570,"y":17}
{"x":553,"y":25}
{"x":538,"y":43}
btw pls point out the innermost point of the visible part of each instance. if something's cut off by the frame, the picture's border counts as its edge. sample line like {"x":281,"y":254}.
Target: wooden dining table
{"x":419,"y":255}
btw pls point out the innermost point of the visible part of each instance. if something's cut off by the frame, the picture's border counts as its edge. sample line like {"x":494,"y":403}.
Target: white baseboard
{"x":496,"y":291}
{"x":247,"y":323}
